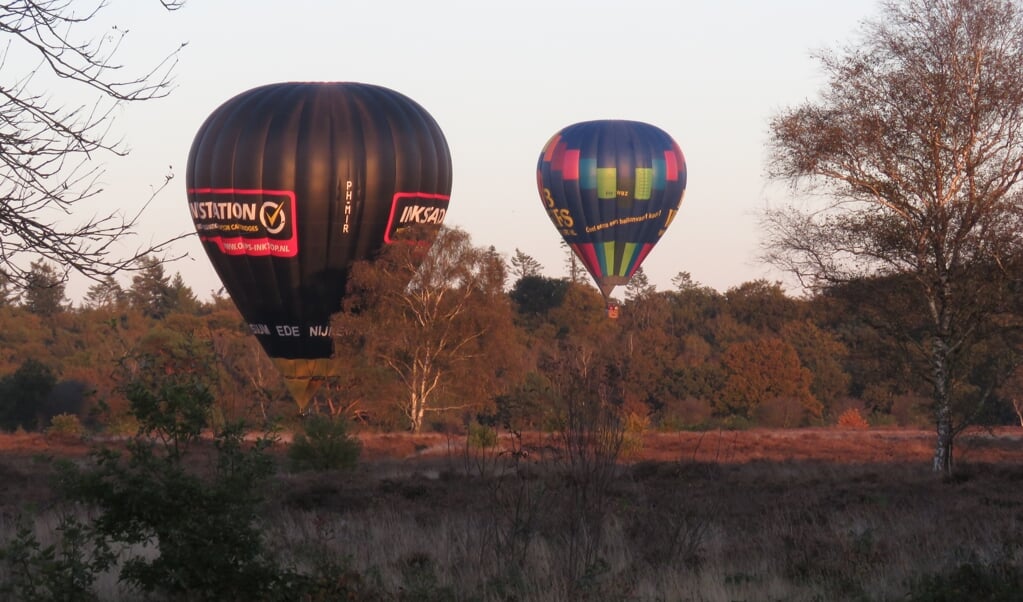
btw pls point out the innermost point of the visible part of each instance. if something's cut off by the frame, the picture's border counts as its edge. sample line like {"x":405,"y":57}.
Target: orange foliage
{"x":852,"y":419}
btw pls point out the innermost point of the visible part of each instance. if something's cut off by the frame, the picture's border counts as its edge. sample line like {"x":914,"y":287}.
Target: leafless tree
{"x":51,"y":148}
{"x":916,"y":146}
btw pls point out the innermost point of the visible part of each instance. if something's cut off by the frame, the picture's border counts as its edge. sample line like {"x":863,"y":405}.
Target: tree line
{"x":907,"y":241}
{"x":478,"y":339}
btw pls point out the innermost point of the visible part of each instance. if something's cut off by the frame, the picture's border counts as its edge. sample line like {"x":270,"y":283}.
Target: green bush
{"x":66,"y":426}
{"x":124,"y":425}
{"x":481,"y":436}
{"x":23,"y":393}
{"x":325,"y":445}
{"x":203,"y":521}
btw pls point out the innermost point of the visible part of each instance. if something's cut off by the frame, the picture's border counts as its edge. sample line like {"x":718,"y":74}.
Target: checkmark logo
{"x":272,"y":216}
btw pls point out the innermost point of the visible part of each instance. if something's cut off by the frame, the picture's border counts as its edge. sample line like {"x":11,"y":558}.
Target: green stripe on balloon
{"x":627,"y":258}
{"x":635,"y":254}
{"x":644,"y":183}
{"x":607,"y":182}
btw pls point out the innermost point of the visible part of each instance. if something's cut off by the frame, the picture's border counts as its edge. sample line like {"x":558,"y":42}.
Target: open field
{"x":882,"y":445}
{"x":814,"y":514}
{"x":846,"y":446}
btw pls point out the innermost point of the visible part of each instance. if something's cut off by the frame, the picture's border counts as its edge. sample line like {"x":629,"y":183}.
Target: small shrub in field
{"x":632,"y":439}
{"x":325,"y":445}
{"x":122,"y":426}
{"x":66,"y":426}
{"x":879,"y":419}
{"x":481,"y":436}
{"x":852,"y":419}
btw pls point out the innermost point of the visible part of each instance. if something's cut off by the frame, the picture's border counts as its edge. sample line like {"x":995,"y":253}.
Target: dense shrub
{"x":22,"y":395}
{"x":203,"y":520}
{"x":481,"y":436}
{"x":325,"y":445}
{"x":65,"y":426}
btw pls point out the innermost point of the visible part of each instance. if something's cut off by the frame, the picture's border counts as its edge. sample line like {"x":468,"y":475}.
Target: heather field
{"x":812,"y":514}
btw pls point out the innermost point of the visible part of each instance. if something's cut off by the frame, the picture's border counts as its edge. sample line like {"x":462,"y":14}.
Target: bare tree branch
{"x":50,"y":151}
{"x":917,"y":140}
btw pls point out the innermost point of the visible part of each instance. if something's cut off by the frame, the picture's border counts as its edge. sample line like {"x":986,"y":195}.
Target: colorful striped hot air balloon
{"x":611,"y":188}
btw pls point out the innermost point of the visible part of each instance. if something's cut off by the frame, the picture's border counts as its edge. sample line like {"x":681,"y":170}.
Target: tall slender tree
{"x":524,"y":265}
{"x":639,"y":286}
{"x":917,"y":142}
{"x":151,"y":291}
{"x":576,"y":271}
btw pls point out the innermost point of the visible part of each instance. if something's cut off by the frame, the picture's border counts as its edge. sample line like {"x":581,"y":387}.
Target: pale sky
{"x":500,"y":79}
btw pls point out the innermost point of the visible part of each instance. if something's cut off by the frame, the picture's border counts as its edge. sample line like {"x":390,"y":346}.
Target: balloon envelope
{"x":289,"y":184}
{"x":611,"y":188}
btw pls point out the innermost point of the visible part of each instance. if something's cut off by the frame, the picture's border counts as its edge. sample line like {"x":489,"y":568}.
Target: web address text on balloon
{"x":241,"y":246}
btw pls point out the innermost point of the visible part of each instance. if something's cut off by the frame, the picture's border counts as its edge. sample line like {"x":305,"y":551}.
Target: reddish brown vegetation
{"x":765,"y":514}
{"x":978,"y":446}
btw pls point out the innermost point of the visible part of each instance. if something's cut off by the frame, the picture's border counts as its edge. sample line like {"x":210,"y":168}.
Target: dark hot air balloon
{"x":611,"y":188}
{"x":289,"y":184}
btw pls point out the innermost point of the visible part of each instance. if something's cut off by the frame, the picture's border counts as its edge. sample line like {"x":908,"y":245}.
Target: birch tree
{"x":913,"y":152}
{"x":446,"y":335}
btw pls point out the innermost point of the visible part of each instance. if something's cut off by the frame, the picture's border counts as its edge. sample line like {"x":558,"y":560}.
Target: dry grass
{"x":822,"y":514}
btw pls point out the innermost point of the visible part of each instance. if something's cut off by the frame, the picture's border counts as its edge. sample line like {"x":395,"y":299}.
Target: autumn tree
{"x":761,"y":305}
{"x":694,"y":306}
{"x":916,"y":145}
{"x":446,"y":334}
{"x":648,"y":350}
{"x":49,"y":158}
{"x":765,"y":376}
{"x":823,"y":355}
{"x":578,"y":348}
